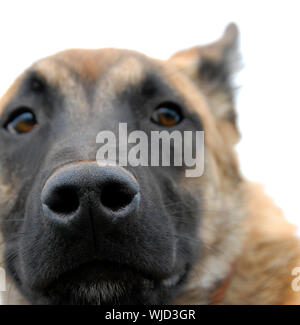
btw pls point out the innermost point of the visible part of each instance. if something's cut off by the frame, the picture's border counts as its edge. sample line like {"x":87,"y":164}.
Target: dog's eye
{"x":167,"y":114}
{"x":23,"y":121}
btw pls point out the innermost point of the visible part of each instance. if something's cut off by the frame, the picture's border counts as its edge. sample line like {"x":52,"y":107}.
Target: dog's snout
{"x":87,"y":190}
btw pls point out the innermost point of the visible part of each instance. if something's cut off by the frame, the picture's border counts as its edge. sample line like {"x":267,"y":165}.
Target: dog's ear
{"x":212,"y":68}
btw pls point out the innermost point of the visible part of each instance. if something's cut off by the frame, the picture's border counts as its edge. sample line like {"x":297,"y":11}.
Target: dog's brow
{"x":152,"y":84}
{"x":53,"y":72}
{"x":127,"y":71}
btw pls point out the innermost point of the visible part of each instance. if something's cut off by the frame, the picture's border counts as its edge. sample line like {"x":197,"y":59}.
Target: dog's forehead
{"x":108,"y":72}
{"x":89,"y":65}
{"x":70,"y":69}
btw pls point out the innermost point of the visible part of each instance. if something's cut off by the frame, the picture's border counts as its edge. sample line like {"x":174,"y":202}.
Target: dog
{"x":76,"y":232}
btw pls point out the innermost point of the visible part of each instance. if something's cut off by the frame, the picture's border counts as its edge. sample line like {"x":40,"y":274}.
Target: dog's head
{"x":75,"y":232}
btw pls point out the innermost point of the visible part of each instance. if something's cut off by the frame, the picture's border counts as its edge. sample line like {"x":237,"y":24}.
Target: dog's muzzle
{"x":85,"y":190}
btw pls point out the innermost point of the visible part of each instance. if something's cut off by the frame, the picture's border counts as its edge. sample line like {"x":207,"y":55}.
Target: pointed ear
{"x":212,"y":67}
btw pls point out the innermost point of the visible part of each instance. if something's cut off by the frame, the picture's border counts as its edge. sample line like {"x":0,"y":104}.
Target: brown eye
{"x":21,"y":122}
{"x":167,"y":115}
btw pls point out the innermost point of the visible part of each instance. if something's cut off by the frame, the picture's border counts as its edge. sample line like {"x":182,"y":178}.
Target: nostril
{"x":115,"y":196}
{"x":87,"y":191}
{"x":63,"y":200}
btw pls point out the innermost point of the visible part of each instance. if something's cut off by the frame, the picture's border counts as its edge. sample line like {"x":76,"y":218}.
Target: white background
{"x":268,"y":102}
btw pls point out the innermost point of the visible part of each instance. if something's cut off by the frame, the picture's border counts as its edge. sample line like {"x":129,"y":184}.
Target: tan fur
{"x":242,"y":231}
{"x":220,"y":102}
{"x":271,"y":251}
{"x":256,"y":243}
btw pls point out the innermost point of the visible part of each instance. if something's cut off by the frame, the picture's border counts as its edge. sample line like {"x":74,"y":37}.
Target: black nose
{"x":84,"y":189}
